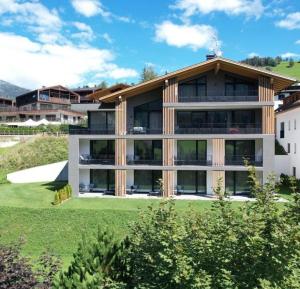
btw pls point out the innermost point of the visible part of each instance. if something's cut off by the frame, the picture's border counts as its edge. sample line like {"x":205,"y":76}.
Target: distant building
{"x":288,"y":130}
{"x":50,"y":103}
{"x":6,"y":102}
{"x":285,"y":93}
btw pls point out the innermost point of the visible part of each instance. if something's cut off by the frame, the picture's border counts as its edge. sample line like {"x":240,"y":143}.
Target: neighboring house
{"x":288,"y":131}
{"x":50,"y":103}
{"x":6,"y":103}
{"x":185,"y":130}
{"x":285,"y":93}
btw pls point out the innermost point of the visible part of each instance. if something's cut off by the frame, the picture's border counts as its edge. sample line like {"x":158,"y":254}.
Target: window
{"x":65,"y":117}
{"x":236,"y":182}
{"x":295,"y":124}
{"x":192,"y":182}
{"x":191,"y":150}
{"x":147,"y":181}
{"x":237,"y":150}
{"x":102,"y":149}
{"x":289,"y":125}
{"x":103,"y":179}
{"x":282,"y":130}
{"x":148,"y":149}
{"x":295,"y":148}
{"x":294,"y":171}
{"x":239,"y":87}
{"x":289,"y":148}
{"x":192,"y":90}
{"x":101,"y":120}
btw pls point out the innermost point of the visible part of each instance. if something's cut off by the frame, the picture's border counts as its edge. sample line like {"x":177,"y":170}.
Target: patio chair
{"x":179,"y":190}
{"x":133,"y":189}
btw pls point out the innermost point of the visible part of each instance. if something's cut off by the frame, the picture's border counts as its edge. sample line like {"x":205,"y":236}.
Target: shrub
{"x":62,"y":195}
{"x":257,"y":246}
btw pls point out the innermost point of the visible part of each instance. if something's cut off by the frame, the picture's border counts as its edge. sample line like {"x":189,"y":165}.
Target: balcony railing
{"x":240,"y":160}
{"x":96,"y":160}
{"x":144,"y":130}
{"x":136,"y":160}
{"x":218,"y":128}
{"x":221,"y":96}
{"x":193,"y":162}
{"x":84,"y":130}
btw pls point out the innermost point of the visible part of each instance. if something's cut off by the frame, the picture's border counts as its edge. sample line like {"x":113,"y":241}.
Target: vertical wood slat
{"x":168,"y":120}
{"x":120,"y":182}
{"x":268,"y":126}
{"x":120,"y":146}
{"x":168,"y":182}
{"x":170,"y":91}
{"x":266,"y":90}
{"x":168,"y":152}
{"x":216,"y":177}
{"x":218,"y":145}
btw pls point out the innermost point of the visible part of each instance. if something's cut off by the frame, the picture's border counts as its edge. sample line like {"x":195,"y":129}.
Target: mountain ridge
{"x":9,"y":90}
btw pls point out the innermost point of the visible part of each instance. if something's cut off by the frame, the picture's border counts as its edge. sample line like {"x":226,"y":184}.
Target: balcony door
{"x":237,"y":182}
{"x":147,"y":180}
{"x":102,"y":149}
{"x":148,"y":150}
{"x":237,"y":150}
{"x":192,"y":182}
{"x":103,"y":180}
{"x":191,"y":150}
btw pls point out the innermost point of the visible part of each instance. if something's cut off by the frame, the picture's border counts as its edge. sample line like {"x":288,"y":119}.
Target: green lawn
{"x":26,"y":210}
{"x":284,"y":69}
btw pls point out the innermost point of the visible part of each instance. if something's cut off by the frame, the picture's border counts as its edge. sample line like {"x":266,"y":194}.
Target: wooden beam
{"x":217,"y":68}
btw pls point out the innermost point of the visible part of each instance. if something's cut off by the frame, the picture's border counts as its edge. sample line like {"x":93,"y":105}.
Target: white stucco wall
{"x":291,"y":119}
{"x":282,"y":165}
{"x":47,"y":173}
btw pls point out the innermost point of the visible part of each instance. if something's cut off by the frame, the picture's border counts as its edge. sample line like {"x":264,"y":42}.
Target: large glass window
{"x":237,"y":150}
{"x":237,"y":182}
{"x":103,"y":179}
{"x":102,"y":120}
{"x":192,"y":90}
{"x":102,"y":149}
{"x":192,"y":182}
{"x":191,"y":150}
{"x":239,"y":87}
{"x":148,"y":149}
{"x":146,"y":180}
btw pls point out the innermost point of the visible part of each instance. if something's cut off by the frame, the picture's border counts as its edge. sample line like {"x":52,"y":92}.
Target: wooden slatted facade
{"x":266,"y":90}
{"x":120,"y":146}
{"x":170,"y":93}
{"x":168,"y":181}
{"x":218,"y":177}
{"x":268,"y":125}
{"x":168,"y":120}
{"x":168,"y":152}
{"x":218,"y":148}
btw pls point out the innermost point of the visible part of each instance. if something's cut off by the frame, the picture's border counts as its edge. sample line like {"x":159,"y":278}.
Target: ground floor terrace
{"x":141,"y":182}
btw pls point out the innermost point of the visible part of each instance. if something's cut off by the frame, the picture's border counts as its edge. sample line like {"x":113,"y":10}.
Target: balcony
{"x":136,"y":160}
{"x":144,"y":130}
{"x":239,"y":160}
{"x":194,"y":162}
{"x":96,"y":160}
{"x":74,"y":130}
{"x":221,"y":96}
{"x":219,"y":128}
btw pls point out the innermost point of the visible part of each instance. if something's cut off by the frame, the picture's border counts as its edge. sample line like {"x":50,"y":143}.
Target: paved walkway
{"x":181,"y":197}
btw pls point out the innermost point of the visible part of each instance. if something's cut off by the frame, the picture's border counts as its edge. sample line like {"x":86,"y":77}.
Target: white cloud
{"x":292,"y":21}
{"x":38,"y":17}
{"x":297,"y":42}
{"x":89,"y":8}
{"x":251,"y":8}
{"x":289,"y":55}
{"x":85,"y":31}
{"x":253,"y":54}
{"x":185,"y":35}
{"x":32,"y":64}
{"x":107,"y":38}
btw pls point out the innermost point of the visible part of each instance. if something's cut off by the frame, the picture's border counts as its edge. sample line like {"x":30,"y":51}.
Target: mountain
{"x":10,"y":90}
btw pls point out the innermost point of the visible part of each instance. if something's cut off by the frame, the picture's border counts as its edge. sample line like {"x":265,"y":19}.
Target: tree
{"x":103,"y":84}
{"x":148,"y":73}
{"x":291,"y":62}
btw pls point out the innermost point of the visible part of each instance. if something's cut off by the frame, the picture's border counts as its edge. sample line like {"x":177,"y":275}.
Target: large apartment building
{"x":184,"y":130}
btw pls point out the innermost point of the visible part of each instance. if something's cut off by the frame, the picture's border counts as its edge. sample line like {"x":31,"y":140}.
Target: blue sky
{"x":80,"y":42}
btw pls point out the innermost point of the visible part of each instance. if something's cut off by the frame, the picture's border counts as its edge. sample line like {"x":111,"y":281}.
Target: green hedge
{"x":62,"y":195}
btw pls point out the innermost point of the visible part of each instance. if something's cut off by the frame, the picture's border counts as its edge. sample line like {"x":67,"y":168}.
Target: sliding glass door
{"x":191,"y":182}
{"x":148,"y":150}
{"x":147,"y":180}
{"x":103,"y":180}
{"x":237,"y":182}
{"x":236,"y":151}
{"x":191,"y":151}
{"x":102,"y":149}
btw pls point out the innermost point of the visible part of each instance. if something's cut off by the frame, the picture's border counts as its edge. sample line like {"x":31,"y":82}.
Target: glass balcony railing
{"x":221,"y":96}
{"x":85,"y":130}
{"x":136,"y":160}
{"x":219,"y":128}
{"x":144,"y":130}
{"x":240,"y":160}
{"x":86,"y":159}
{"x":182,"y":161}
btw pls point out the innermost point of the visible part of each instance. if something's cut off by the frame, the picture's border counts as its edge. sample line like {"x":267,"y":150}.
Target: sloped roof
{"x":279,"y":81}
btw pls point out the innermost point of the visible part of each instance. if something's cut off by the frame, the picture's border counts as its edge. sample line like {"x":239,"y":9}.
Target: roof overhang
{"x":279,"y":81}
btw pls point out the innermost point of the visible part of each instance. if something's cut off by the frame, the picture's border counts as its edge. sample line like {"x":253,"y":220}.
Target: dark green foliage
{"x":257,"y":246}
{"x":263,"y":61}
{"x":291,"y":62}
{"x":17,"y":272}
{"x":62,"y":195}
{"x":148,"y":73}
{"x":279,"y":149}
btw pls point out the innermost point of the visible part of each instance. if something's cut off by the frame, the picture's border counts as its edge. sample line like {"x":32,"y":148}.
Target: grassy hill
{"x":283,"y":68}
{"x":36,"y":151}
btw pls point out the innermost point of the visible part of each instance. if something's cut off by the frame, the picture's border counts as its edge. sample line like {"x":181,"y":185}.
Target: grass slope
{"x":36,"y":151}
{"x":283,"y":68}
{"x":26,"y":210}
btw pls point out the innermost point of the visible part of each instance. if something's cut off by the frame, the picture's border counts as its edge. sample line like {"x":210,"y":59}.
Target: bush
{"x":257,"y":246}
{"x":62,"y":195}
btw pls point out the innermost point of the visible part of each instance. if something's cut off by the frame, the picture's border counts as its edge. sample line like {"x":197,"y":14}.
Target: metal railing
{"x":90,"y":160}
{"x":136,"y":160}
{"x":193,"y":162}
{"x":218,"y":128}
{"x":73,"y":130}
{"x":239,"y":160}
{"x":221,"y":96}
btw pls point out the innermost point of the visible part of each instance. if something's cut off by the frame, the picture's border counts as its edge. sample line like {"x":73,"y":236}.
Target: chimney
{"x":210,"y":56}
